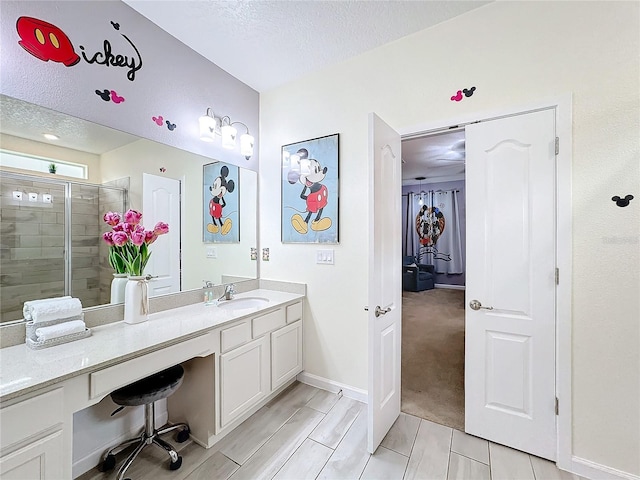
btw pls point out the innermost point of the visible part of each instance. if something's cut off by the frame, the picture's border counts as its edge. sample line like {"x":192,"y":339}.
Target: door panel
{"x":510,"y":340}
{"x":384,"y":280}
{"x":161,"y":203}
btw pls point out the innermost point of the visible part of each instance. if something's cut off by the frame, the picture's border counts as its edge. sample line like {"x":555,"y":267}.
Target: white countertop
{"x":23,"y":369}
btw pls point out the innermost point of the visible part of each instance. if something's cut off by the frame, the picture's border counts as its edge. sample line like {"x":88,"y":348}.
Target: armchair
{"x":417,"y":277}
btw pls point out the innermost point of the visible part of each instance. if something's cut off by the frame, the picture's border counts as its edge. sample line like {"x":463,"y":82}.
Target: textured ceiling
{"x":438,"y":158}
{"x":268,"y":43}
{"x":26,"y":120}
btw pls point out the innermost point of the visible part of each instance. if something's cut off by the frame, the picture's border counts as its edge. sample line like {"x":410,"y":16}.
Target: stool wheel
{"x":176,"y":465}
{"x":109,"y":463}
{"x":183,"y":435}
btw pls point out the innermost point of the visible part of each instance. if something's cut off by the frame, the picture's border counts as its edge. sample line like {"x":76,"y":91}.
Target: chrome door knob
{"x":381,"y":311}
{"x":476,"y":305}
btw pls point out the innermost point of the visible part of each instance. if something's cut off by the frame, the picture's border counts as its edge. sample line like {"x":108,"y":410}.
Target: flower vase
{"x":136,"y":300}
{"x":118,"y":285}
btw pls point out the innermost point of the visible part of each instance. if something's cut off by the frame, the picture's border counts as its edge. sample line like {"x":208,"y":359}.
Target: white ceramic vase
{"x":118,"y":285}
{"x":136,"y":300}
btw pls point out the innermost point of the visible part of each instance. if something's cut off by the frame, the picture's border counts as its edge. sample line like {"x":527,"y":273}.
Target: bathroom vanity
{"x":237,"y":356}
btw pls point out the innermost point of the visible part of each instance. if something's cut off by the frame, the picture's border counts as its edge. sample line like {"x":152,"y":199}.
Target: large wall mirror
{"x":51,"y":223}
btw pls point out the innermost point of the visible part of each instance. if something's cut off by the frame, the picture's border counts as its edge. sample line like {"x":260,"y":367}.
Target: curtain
{"x":438,"y":227}
{"x":411,"y":240}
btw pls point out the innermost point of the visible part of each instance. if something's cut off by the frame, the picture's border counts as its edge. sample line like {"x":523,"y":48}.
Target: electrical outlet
{"x":254,"y":253}
{"x":265,"y":254}
{"x":324,"y":256}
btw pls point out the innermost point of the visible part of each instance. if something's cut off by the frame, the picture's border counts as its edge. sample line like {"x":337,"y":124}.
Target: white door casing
{"x":510,"y":348}
{"x":385,"y":294}
{"x":161,"y":203}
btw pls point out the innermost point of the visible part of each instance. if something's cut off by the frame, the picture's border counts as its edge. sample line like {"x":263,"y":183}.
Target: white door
{"x":385,"y":294}
{"x":510,"y":331}
{"x":161,"y":203}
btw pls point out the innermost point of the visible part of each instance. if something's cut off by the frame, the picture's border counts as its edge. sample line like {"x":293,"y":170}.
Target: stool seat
{"x":146,"y":392}
{"x":150,"y":389}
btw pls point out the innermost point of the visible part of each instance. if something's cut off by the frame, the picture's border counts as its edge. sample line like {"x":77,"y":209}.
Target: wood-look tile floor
{"x":307,"y":433}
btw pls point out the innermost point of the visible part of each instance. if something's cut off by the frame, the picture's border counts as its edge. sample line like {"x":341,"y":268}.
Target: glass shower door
{"x":32,"y":242}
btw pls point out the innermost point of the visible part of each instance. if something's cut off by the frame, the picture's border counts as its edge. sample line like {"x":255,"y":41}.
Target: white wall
{"x":174,"y":82}
{"x":41,"y":149}
{"x":514,"y":53}
{"x":142,"y":156}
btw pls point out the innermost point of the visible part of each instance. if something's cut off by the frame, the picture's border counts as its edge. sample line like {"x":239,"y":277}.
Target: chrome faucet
{"x":229,"y":292}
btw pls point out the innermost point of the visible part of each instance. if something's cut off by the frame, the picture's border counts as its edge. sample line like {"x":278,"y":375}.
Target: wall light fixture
{"x":211,"y":125}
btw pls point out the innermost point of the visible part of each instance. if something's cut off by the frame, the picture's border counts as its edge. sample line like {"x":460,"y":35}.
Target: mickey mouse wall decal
{"x":622,"y":202}
{"x":468,"y":93}
{"x":459,"y":94}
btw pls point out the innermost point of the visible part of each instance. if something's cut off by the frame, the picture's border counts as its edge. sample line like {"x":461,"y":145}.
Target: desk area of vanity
{"x":235,"y":360}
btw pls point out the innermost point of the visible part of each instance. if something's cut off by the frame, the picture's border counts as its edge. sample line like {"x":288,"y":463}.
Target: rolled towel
{"x":27,"y":308}
{"x":59,"y":330}
{"x":44,"y":312}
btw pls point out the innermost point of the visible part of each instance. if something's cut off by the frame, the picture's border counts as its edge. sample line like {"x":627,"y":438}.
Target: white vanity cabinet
{"x":244,"y":379}
{"x":32,"y":438}
{"x":266,"y":354}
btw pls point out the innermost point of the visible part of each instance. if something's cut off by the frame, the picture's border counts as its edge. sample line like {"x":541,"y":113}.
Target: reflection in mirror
{"x":51,"y":241}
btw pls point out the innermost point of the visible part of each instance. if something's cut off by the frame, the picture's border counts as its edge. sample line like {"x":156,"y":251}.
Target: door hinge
{"x":557,"y":145}
{"x":557,"y":406}
{"x":557,"y":276}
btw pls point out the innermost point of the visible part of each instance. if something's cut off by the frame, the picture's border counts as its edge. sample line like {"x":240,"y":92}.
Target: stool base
{"x":150,"y":436}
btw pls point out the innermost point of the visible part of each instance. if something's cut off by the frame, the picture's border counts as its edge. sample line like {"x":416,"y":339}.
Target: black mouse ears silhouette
{"x":622,"y":202}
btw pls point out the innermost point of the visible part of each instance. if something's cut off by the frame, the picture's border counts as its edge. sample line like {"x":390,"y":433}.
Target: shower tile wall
{"x":85,"y":245}
{"x":31,"y":245}
{"x":110,"y":201}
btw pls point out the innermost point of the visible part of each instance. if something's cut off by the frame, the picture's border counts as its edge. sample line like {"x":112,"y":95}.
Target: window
{"x":41,"y":164}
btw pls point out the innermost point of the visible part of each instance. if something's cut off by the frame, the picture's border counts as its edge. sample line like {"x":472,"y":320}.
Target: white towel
{"x":27,"y":308}
{"x":60,"y":329}
{"x":44,"y":312}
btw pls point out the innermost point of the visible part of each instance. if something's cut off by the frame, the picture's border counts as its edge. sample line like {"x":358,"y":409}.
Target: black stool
{"x":146,"y":392}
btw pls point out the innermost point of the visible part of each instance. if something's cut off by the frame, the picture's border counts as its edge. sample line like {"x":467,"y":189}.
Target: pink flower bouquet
{"x":128,"y":241}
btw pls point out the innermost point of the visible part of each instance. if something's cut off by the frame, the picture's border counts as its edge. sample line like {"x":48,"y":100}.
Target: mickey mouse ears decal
{"x":466,"y":91}
{"x":622,"y":202}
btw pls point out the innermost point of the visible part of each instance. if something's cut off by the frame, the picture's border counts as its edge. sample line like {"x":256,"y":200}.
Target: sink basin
{"x":243,"y":303}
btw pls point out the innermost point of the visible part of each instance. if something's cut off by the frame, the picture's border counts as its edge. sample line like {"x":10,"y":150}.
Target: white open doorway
{"x":433,"y":245}
{"x":514,"y":349}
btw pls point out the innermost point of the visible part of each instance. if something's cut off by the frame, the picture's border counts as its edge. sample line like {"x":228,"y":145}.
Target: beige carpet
{"x":433,"y":356}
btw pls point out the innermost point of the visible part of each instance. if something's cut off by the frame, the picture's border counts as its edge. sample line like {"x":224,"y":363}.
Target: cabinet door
{"x":286,"y":354}
{"x":244,"y":379}
{"x":39,"y":460}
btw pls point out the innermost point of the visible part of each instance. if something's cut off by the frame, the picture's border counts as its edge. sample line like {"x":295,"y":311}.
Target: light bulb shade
{"x":229,"y":134}
{"x":208,"y":127}
{"x":246,"y":145}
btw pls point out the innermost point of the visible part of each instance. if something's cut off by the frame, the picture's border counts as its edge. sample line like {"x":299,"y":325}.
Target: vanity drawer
{"x":234,"y":336}
{"x":294,"y":312}
{"x":29,"y":417}
{"x":270,"y":321}
{"x":109,"y":379}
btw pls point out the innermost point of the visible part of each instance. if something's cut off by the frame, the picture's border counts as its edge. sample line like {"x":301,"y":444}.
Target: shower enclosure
{"x":51,"y":240}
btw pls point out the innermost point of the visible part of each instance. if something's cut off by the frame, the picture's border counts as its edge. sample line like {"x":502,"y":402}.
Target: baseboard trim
{"x":93,"y":459}
{"x":450,"y":287}
{"x":589,"y":469}
{"x":332,"y":386}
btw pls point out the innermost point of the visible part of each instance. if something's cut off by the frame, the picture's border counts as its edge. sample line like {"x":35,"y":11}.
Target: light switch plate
{"x":324,"y":256}
{"x":212,"y":252}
